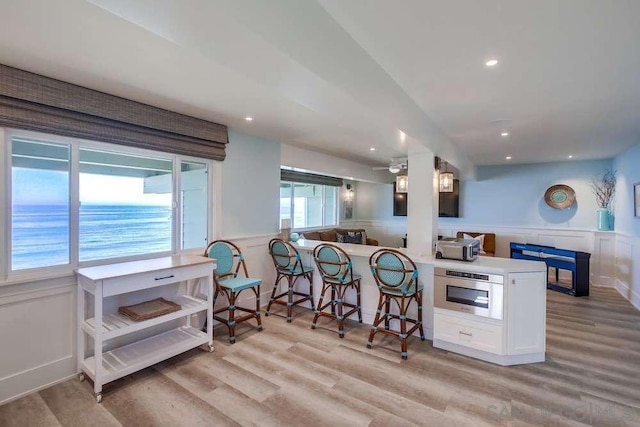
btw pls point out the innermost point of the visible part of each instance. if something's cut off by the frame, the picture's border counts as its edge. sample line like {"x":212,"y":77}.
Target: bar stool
{"x":397,"y":278}
{"x":229,"y":260}
{"x":288,"y":266}
{"x":336,"y":270}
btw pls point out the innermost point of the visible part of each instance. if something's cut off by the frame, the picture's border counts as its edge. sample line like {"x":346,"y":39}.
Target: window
{"x":125,"y":204}
{"x":193,"y":201}
{"x":76,"y":201}
{"x":39,"y":204}
{"x":308,"y":205}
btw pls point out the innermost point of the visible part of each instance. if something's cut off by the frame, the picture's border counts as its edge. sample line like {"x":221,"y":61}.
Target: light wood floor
{"x":292,"y":375}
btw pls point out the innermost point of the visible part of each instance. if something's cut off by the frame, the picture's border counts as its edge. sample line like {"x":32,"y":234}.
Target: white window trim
{"x":323,"y":205}
{"x":8,"y":277}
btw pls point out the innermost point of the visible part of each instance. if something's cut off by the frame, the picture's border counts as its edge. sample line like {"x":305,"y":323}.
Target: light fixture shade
{"x":446,"y":182}
{"x":402,"y":184}
{"x":348,"y":195}
{"x":394,"y":168}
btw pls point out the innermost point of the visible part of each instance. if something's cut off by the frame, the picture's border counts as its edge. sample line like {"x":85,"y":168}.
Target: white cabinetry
{"x":517,"y":338}
{"x":526,"y":305}
{"x":457,"y":328}
{"x":603,"y":261}
{"x":116,"y":279}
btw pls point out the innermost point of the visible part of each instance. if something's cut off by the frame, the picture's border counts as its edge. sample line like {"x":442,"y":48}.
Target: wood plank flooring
{"x":291,"y":375}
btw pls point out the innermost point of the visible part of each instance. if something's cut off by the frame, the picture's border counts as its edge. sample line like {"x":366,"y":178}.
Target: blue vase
{"x":294,"y":237}
{"x":604,"y":219}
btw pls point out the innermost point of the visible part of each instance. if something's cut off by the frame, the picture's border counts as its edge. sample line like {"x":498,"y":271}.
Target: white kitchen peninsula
{"x":516,"y":337}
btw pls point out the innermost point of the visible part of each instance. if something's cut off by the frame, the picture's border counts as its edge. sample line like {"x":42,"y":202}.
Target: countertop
{"x":108,"y":271}
{"x":483,"y":264}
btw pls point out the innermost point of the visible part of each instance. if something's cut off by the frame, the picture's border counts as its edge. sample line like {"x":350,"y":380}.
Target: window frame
{"x":323,"y":203}
{"x":9,"y":276}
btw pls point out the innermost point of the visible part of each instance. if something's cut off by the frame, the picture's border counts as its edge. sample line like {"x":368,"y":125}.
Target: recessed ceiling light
{"x":570,"y":156}
{"x":504,"y":134}
{"x":508,"y":157}
{"x":491,"y":63}
{"x":248,"y":118}
{"x":372,"y":149}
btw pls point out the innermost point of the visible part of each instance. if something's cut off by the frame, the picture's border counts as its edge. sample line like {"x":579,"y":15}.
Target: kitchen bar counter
{"x":518,"y":337}
{"x":490,"y":265}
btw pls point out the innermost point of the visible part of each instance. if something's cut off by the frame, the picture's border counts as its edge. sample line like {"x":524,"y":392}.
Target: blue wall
{"x":628,"y":167}
{"x":513,"y":195}
{"x":250,"y":186}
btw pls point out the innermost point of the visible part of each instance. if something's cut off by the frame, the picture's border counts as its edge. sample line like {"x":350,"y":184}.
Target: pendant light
{"x":402,"y":183}
{"x":446,"y":180}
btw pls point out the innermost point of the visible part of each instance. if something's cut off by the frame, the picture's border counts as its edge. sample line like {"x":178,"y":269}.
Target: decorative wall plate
{"x":560,"y":196}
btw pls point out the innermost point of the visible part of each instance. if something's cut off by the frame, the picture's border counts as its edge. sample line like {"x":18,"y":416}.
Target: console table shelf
{"x":116,"y":324}
{"x":117,"y":279}
{"x":131,"y":358}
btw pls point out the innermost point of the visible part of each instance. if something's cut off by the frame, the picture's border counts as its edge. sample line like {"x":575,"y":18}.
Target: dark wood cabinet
{"x":399,"y":203}
{"x":448,"y":203}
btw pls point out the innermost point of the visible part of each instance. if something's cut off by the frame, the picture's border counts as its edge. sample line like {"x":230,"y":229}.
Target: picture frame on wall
{"x":636,"y":199}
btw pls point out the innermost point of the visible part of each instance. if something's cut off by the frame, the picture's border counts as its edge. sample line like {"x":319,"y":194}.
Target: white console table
{"x":116,"y":279}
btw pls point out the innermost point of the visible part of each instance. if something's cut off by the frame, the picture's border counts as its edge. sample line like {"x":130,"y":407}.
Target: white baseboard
{"x":30,"y":381}
{"x":624,"y":290}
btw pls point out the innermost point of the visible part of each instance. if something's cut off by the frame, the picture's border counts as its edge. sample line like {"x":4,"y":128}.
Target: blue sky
{"x":48,"y":187}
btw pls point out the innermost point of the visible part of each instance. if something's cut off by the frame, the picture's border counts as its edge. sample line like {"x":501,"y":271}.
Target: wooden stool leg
{"x":340,"y":314}
{"x":333,"y":300}
{"x":387,"y":308}
{"x":403,"y":329}
{"x":377,"y":320}
{"x":290,"y":299}
{"x":273,"y":294}
{"x":231,"y":323}
{"x":319,"y":307}
{"x":309,"y":277}
{"x":419,"y":301}
{"x":358,"y":300}
{"x":256,"y":290}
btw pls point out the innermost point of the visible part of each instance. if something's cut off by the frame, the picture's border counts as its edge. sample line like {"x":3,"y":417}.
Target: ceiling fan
{"x":396,"y":165}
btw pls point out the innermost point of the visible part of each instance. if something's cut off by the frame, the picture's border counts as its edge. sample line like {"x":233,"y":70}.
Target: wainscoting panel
{"x":603,"y":259}
{"x":627,"y":272}
{"x":37,"y":333}
{"x":601,"y":245}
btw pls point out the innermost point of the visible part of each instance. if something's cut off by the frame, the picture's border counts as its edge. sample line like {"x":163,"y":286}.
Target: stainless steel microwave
{"x":469,"y":292}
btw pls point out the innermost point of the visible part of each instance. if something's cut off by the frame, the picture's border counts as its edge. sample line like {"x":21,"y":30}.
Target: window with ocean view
{"x":39,"y":204}
{"x":128,"y":203}
{"x":122,"y":208}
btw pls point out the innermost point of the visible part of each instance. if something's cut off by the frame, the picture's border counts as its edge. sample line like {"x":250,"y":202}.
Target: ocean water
{"x":40,"y":234}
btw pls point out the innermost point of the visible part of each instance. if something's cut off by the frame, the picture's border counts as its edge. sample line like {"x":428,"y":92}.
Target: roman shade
{"x":309,"y":178}
{"x":34,"y":102}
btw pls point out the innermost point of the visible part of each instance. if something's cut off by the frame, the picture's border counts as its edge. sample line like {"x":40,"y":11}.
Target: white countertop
{"x":483,"y":264}
{"x":107,"y":271}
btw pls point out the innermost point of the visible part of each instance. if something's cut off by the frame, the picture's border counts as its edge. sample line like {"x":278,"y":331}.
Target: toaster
{"x":460,"y":249}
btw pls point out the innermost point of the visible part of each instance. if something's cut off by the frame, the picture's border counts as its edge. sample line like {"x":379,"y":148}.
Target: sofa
{"x":487,"y":243}
{"x":340,"y":235}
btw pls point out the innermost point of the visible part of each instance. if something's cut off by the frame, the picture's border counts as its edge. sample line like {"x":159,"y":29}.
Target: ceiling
{"x":342,"y":77}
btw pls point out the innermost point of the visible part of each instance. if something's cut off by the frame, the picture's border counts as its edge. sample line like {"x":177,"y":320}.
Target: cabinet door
{"x":526,"y":308}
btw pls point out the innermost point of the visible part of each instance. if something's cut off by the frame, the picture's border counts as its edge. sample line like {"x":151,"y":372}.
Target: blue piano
{"x":558,"y":259}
